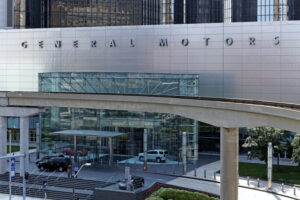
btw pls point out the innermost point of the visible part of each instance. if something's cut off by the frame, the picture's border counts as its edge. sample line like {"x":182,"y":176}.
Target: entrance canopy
{"x":106,"y":134}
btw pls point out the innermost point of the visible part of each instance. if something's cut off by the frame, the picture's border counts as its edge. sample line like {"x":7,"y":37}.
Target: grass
{"x":16,"y":148}
{"x":176,"y":194}
{"x":282,"y":174}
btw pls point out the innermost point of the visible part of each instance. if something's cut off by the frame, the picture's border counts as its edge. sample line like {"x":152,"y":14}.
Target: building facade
{"x":85,"y":48}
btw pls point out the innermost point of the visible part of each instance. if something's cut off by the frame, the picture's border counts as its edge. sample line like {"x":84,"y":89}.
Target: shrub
{"x":175,"y":194}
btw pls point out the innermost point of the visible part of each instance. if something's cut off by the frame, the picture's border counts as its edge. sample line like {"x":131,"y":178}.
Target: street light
{"x":75,"y":175}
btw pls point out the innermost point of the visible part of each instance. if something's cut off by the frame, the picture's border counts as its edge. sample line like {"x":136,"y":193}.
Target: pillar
{"x":3,"y":143}
{"x":3,"y":13}
{"x":227,"y":11}
{"x":38,"y":141}
{"x":195,"y":140}
{"x":229,"y":163}
{"x":145,"y":149}
{"x":110,"y":151}
{"x":23,"y":14}
{"x":24,"y":143}
{"x":184,"y":161}
{"x":75,"y":150}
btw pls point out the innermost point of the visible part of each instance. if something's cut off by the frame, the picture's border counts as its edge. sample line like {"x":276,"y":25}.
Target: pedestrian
{"x":249,"y":155}
{"x":75,"y":171}
{"x":69,"y":171}
{"x":44,"y":180}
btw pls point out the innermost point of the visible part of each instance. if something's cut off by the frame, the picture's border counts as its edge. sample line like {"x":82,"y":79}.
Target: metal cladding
{"x":258,"y":60}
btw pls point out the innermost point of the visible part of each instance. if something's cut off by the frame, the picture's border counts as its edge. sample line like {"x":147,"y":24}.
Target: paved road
{"x":210,"y":163}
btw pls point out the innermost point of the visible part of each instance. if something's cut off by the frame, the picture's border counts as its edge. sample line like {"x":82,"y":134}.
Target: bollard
{"x":205,"y":173}
{"x":282,"y":187}
{"x":215,"y":175}
{"x":195,"y":172}
{"x":258,"y":183}
{"x":295,"y":194}
{"x":248,"y":180}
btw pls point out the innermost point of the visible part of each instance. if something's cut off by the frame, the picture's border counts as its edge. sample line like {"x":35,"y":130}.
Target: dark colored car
{"x":53,"y":163}
{"x":136,"y":182}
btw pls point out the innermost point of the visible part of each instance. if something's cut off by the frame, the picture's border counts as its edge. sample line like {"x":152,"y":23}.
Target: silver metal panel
{"x":263,"y":71}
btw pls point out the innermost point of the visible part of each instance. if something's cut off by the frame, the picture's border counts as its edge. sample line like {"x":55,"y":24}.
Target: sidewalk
{"x":248,"y":190}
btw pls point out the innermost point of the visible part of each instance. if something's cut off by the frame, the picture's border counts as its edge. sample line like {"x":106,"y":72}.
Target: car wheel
{"x":141,"y":158}
{"x":42,"y":168}
{"x":158,"y":160}
{"x":60,"y":169}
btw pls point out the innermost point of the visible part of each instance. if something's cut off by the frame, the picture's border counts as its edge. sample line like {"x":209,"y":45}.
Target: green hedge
{"x":175,"y":194}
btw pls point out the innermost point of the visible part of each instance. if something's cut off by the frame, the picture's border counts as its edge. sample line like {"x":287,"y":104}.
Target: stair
{"x":60,"y":182}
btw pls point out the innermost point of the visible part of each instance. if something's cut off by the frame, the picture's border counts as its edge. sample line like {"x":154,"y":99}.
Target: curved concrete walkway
{"x":214,"y":188}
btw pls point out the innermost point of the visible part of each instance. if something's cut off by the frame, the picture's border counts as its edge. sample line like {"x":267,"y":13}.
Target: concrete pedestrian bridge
{"x":228,"y":114}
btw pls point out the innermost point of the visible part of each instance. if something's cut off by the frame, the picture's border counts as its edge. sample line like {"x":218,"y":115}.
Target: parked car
{"x":53,"y":163}
{"x":158,"y":155}
{"x":136,"y":182}
{"x":70,"y":152}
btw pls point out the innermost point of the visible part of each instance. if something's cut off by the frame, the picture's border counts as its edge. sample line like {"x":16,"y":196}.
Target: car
{"x":136,"y":182}
{"x":70,"y":152}
{"x":158,"y":155}
{"x":53,"y":163}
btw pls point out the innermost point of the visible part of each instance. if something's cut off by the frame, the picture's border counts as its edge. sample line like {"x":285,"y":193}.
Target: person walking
{"x":69,"y":170}
{"x":75,"y":171}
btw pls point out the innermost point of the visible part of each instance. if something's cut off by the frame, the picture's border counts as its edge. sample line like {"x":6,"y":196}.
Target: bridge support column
{"x":24,"y":143}
{"x":3,"y":143}
{"x":229,"y":163}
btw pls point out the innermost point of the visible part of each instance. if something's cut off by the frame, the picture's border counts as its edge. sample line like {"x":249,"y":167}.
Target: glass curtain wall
{"x":76,"y":13}
{"x":203,"y":11}
{"x":164,"y":130}
{"x":262,"y":10}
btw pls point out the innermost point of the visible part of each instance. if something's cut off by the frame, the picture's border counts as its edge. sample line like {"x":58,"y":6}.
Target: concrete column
{"x":229,"y":163}
{"x":110,"y":151}
{"x":145,"y":149}
{"x":24,"y":143}
{"x":3,"y":13}
{"x":184,"y":160}
{"x":3,"y":143}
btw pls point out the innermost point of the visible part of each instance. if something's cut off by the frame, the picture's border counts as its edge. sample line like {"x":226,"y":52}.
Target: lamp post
{"x":75,"y":175}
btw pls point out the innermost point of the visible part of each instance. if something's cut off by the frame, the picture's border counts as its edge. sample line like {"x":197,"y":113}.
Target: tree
{"x":258,"y":142}
{"x":296,"y":149}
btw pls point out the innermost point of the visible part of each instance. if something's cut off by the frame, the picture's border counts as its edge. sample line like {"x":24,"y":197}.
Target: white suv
{"x":158,"y":155}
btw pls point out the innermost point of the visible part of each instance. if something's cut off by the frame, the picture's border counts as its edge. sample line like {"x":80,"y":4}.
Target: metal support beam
{"x":24,"y":144}
{"x":184,"y":160}
{"x":110,"y":151}
{"x":145,"y":149}
{"x":229,"y":163}
{"x":75,"y":150}
{"x":195,"y":140}
{"x":38,"y":141}
{"x":3,"y":143}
